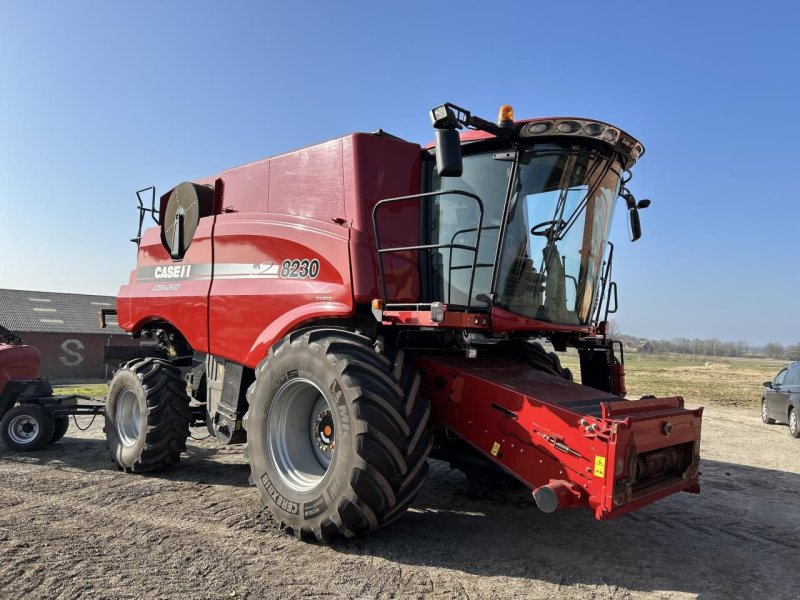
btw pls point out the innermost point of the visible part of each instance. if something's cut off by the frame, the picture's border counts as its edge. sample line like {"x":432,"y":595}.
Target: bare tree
{"x":775,"y":350}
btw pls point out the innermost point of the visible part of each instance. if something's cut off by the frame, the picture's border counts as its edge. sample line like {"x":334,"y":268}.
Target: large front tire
{"x":337,"y":434}
{"x":147,"y":415}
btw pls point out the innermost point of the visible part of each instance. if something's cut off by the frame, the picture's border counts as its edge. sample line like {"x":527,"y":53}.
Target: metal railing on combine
{"x":428,"y":247}
{"x":143,"y":210}
{"x":476,"y":265}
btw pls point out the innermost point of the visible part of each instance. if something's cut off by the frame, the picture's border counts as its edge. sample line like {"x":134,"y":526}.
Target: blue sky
{"x":98,"y":100}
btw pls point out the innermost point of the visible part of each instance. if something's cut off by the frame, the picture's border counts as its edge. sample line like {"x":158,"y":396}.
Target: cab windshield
{"x":554,"y":233}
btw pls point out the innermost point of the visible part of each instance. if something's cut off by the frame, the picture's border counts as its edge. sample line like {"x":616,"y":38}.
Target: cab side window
{"x":780,"y":377}
{"x":793,"y":378}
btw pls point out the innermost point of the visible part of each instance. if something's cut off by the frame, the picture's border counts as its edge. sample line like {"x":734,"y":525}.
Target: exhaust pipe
{"x":556,"y":495}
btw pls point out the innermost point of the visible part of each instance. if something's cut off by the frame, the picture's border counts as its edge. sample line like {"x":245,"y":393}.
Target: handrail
{"x":381,"y":251}
{"x":477,"y":265}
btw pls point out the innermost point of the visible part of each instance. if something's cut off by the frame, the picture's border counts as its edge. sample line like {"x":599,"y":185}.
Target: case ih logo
{"x":173,"y":272}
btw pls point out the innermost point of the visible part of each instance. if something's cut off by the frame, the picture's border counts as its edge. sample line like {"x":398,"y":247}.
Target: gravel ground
{"x":72,"y":526}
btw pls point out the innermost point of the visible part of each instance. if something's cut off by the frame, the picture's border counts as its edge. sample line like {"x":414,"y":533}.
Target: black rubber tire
{"x":549,"y":362}
{"x":794,"y":427}
{"x":60,"y":429}
{"x":382,"y":440}
{"x":764,"y":417}
{"x":165,"y":415}
{"x":44,"y":422}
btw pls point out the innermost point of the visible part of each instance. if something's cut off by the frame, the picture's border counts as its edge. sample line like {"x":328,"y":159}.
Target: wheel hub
{"x":301,"y":434}
{"x":323,"y":432}
{"x":128,"y":419}
{"x":23,"y":429}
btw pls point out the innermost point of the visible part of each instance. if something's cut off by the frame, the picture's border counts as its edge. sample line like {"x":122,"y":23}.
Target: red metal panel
{"x":505,"y":321}
{"x":384,"y":168}
{"x":542,"y":428}
{"x":422,"y":318}
{"x":252,"y":305}
{"x":180,"y":300}
{"x":247,"y":187}
{"x":309,"y":182}
{"x":335,"y":183}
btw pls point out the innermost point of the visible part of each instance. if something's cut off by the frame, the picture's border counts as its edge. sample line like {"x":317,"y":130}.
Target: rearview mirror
{"x":635,"y":229}
{"x":767,"y":384}
{"x":448,"y":153}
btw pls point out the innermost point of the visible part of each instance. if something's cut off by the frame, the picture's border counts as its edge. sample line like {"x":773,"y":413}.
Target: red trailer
{"x":350,"y":309}
{"x":31,"y":416}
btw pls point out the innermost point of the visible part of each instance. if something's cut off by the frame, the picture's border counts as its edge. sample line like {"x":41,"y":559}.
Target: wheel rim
{"x":128,"y":419}
{"x":764,"y":410}
{"x":301,"y":434}
{"x":23,"y":429}
{"x":793,"y":421}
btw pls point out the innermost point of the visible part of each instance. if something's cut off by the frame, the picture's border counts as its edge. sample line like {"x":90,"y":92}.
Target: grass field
{"x":699,"y":379}
{"x":93,"y":390}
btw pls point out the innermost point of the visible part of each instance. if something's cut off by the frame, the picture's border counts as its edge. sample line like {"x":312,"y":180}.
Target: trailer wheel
{"x":27,"y":427}
{"x":337,"y":434}
{"x":60,"y":429}
{"x":147,"y":415}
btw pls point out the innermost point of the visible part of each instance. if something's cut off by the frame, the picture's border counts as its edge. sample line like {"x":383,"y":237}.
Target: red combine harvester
{"x":353,"y":308}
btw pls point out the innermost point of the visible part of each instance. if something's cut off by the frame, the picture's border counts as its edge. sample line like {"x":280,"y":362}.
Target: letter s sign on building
{"x":75,"y":358}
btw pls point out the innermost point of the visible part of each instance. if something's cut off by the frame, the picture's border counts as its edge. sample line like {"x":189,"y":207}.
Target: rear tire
{"x":27,"y":427}
{"x":337,"y":434}
{"x":765,"y":414}
{"x":60,"y":429}
{"x":147,"y":415}
{"x":794,"y":425}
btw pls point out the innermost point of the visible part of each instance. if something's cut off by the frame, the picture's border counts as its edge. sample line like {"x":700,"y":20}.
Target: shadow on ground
{"x":729,"y":542}
{"x":201,"y":465}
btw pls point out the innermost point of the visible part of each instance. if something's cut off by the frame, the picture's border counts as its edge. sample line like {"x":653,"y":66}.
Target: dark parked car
{"x":781,"y":399}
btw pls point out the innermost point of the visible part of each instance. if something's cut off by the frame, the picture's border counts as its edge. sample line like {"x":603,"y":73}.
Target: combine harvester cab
{"x":352,"y":308}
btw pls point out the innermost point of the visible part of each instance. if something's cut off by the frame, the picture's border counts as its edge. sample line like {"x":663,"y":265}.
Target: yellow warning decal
{"x":495,"y":449}
{"x":600,"y":466}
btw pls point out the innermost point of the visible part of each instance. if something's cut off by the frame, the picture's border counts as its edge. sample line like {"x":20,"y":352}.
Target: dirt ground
{"x":72,"y":526}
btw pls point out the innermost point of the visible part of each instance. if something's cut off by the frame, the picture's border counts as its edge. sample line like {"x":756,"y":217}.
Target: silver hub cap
{"x":301,"y":434}
{"x":23,"y":429}
{"x":764,"y":410}
{"x":793,"y":421}
{"x":128,"y":418}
